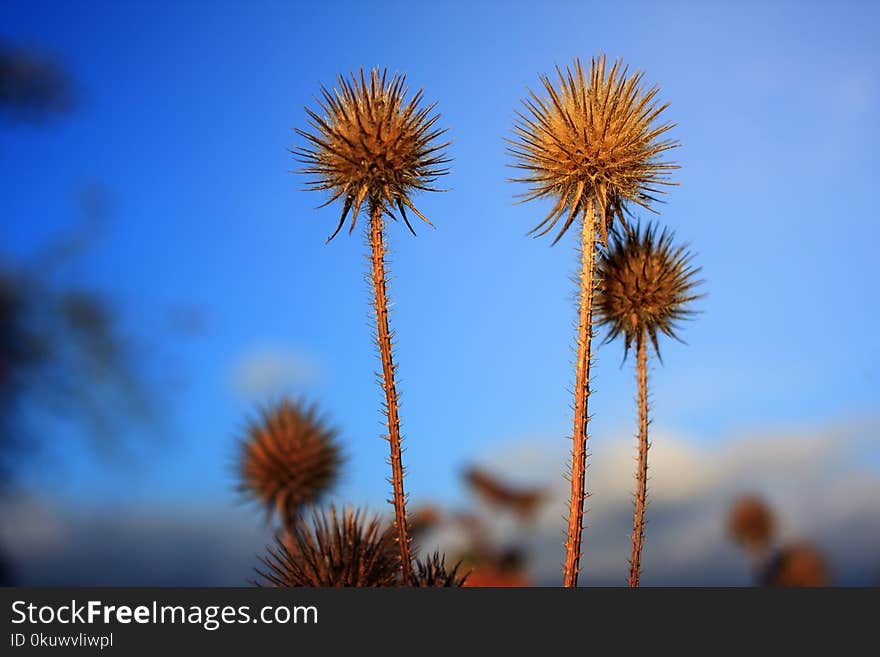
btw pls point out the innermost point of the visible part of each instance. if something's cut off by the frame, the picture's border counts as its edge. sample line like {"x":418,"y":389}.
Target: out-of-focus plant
{"x":522,"y":502}
{"x":431,"y":572}
{"x":646,"y":287}
{"x":593,"y":145}
{"x":751,"y":523}
{"x":334,"y":550}
{"x":63,"y":358}
{"x":368,"y":146}
{"x":289,"y":459}
{"x":800,"y":564}
{"x":33,"y":85}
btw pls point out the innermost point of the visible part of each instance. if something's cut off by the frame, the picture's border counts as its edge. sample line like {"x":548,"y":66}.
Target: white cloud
{"x":265,"y":370}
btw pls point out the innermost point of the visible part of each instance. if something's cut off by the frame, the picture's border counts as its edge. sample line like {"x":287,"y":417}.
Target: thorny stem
{"x":642,"y":472}
{"x":383,"y":338}
{"x":581,"y":397}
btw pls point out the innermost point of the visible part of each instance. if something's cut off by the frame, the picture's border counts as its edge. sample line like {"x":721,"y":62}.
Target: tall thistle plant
{"x":593,"y":146}
{"x":369,"y":147}
{"x":647,"y":285}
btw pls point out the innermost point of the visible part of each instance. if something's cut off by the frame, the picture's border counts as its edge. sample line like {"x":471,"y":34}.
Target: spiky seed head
{"x":369,"y":144}
{"x":800,"y":564}
{"x":334,"y":550}
{"x":646,"y":284}
{"x":431,"y":572}
{"x":288,"y":458}
{"x":751,"y":522}
{"x":593,"y":143}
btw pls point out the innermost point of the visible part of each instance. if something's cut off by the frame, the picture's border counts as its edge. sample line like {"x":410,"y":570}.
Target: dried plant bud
{"x":798,"y":565}
{"x":751,"y":522}
{"x":289,"y":458}
{"x":646,"y":284}
{"x":333,"y":551}
{"x":524,"y":502}
{"x":368,"y":144}
{"x":432,"y":572}
{"x":592,"y":143}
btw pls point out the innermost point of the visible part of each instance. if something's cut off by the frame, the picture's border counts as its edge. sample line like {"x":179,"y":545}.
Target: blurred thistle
{"x":431,"y":572}
{"x":646,"y":284}
{"x":33,"y":86}
{"x":289,"y":458}
{"x":593,"y":146}
{"x":369,"y":146}
{"x":751,"y":523}
{"x":800,"y":564}
{"x":334,"y":550}
{"x":423,"y":519}
{"x":502,"y":570}
{"x":523,"y":502}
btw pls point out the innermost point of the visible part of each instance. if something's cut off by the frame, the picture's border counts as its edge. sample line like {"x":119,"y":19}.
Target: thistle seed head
{"x":800,"y":564}
{"x":751,"y":522}
{"x":289,"y":458}
{"x":335,"y":550}
{"x":593,"y":143}
{"x":431,"y":572}
{"x":369,"y":144}
{"x":646,"y":285}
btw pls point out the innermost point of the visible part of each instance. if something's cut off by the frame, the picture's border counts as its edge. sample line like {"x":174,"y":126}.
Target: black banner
{"x":240,"y":621}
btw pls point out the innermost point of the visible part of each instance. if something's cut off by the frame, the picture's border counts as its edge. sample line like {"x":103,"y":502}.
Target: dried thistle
{"x":369,"y":145}
{"x":289,"y":458}
{"x":646,"y":285}
{"x":751,"y":523}
{"x":593,"y":146}
{"x":333,"y":551}
{"x":431,"y":572}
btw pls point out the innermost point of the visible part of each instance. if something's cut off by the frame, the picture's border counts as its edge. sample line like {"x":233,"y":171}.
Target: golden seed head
{"x":592,"y":144}
{"x":751,"y":522}
{"x":289,"y":458}
{"x":333,"y":551}
{"x":368,"y":144}
{"x":646,"y":284}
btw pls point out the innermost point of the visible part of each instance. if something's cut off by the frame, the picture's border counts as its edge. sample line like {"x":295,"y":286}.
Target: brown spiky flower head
{"x":431,"y":572}
{"x":289,"y":458}
{"x":334,"y":550}
{"x":647,"y":283}
{"x":369,"y":144}
{"x":592,"y":145}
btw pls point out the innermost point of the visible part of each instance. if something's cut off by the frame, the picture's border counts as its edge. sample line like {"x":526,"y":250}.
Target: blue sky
{"x":186,"y":115}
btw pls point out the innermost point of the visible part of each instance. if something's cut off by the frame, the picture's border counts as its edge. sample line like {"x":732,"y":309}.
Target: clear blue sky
{"x":186,"y":115}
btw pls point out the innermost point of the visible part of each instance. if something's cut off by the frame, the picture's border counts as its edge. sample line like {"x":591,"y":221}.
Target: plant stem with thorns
{"x":642,"y":471}
{"x":581,"y":399}
{"x":383,"y":338}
